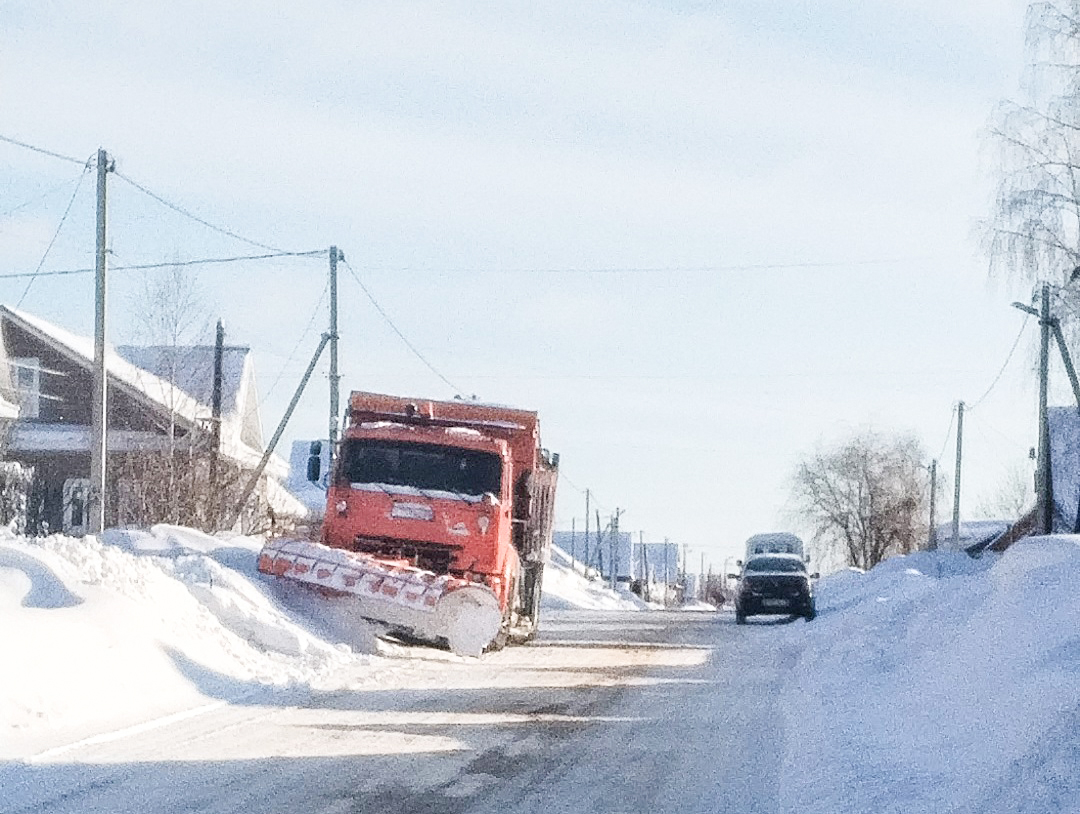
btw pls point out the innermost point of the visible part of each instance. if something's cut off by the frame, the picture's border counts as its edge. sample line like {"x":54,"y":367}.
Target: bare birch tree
{"x":866,"y":499}
{"x":1033,"y":233}
{"x":1012,"y":496}
{"x":172,"y":485}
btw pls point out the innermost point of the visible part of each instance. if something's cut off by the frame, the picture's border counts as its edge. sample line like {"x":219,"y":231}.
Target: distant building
{"x":633,"y":561}
{"x":309,"y":475}
{"x":1064,"y":425}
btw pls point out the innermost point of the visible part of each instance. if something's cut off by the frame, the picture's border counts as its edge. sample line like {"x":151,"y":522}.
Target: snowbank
{"x":935,"y":682}
{"x":567,"y":586}
{"x":104,"y":634}
{"x":101,"y":634}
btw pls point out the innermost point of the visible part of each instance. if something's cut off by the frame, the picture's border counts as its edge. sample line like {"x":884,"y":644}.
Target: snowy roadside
{"x":938,"y":683}
{"x":100,"y":636}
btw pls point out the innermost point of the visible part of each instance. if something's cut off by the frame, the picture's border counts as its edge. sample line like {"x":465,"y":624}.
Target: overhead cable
{"x":187,"y":214}
{"x":43,"y":151}
{"x":396,"y":330}
{"x":657,"y":269}
{"x":1008,"y":358}
{"x":56,"y":234}
{"x":40,"y":197}
{"x":292,"y":354}
{"x":948,"y":433}
{"x":592,"y":496}
{"x":170,"y":264}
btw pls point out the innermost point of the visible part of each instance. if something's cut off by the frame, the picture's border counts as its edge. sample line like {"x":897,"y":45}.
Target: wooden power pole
{"x":335,"y":379}
{"x":959,"y":459}
{"x":99,"y":413}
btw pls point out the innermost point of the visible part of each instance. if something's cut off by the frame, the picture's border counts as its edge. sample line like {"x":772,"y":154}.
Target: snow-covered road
{"x":606,"y":712}
{"x":158,"y":671}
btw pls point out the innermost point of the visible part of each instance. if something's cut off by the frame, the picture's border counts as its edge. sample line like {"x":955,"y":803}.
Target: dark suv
{"x":774,"y":583}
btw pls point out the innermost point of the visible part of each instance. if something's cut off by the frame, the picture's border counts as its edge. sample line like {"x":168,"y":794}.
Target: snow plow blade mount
{"x":427,"y":605}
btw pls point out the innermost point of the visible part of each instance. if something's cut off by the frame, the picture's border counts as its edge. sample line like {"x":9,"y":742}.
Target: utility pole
{"x":573,"y":534}
{"x":215,"y":425}
{"x":1044,"y":487}
{"x":587,"y":558}
{"x":253,"y":481}
{"x":1044,"y":480}
{"x":667,"y":569}
{"x":599,"y":546}
{"x":701,"y":577}
{"x":614,"y":547}
{"x":335,"y":379}
{"x":932,"y":545}
{"x":99,"y":414}
{"x":644,"y":567}
{"x":956,"y":485}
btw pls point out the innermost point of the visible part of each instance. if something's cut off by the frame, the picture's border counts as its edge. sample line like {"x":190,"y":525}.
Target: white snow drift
{"x":934,"y":682}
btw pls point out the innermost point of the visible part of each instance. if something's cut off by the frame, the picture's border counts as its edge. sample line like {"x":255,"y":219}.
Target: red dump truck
{"x":438,"y":520}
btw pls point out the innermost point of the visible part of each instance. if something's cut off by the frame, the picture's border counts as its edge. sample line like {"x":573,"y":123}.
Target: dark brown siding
{"x":65,"y":398}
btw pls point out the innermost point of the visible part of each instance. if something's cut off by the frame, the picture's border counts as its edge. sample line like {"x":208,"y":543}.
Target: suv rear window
{"x":783,"y":564}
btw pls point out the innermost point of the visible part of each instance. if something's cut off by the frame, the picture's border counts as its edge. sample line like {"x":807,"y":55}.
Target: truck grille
{"x":434,"y":557}
{"x":778,"y":585}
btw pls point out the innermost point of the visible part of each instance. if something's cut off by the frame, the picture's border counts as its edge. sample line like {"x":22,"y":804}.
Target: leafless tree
{"x":1012,"y":497}
{"x":866,"y":498}
{"x":174,"y":488}
{"x":1033,"y":233}
{"x":172,"y":484}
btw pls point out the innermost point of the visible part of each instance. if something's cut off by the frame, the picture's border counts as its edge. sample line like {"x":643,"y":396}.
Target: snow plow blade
{"x":427,"y":605}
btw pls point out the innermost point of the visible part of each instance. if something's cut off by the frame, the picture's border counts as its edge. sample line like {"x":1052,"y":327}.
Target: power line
{"x":314,"y":315}
{"x":396,"y":330}
{"x":655,"y":269}
{"x":596,"y":504}
{"x":1008,"y":359}
{"x":43,"y":151}
{"x":56,"y":234}
{"x":186,"y":213}
{"x":170,"y":264}
{"x":948,"y":433}
{"x":40,"y":197}
{"x":711,"y":376}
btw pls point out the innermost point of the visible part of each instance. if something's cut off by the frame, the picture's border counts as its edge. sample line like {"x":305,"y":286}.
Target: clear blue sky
{"x":698,"y":237}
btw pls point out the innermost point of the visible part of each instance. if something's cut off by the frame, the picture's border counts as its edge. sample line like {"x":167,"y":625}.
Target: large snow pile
{"x":567,"y":584}
{"x":935,"y":682}
{"x":105,"y":634}
{"x":101,"y":634}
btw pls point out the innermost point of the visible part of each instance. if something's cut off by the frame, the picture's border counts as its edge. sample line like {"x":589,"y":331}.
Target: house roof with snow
{"x":191,"y":368}
{"x":241,"y":431}
{"x":973,"y":536}
{"x":135,"y":380}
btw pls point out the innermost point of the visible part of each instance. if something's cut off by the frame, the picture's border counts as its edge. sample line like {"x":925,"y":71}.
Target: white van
{"x":779,"y":542}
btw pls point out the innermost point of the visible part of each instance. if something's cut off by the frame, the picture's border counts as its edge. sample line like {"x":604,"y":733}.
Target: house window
{"x":27,"y":376}
{"x":76,"y":508}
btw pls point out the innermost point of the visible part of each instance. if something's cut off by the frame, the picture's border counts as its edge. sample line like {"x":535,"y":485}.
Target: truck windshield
{"x":421,"y":466}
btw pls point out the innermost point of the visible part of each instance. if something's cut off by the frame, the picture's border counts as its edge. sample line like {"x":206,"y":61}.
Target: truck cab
{"x":452,"y":488}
